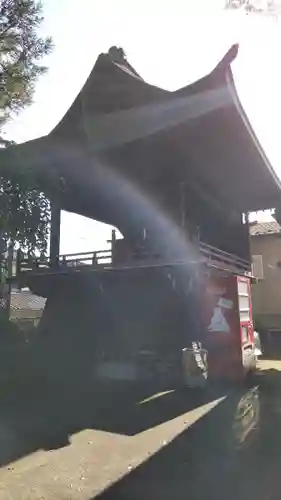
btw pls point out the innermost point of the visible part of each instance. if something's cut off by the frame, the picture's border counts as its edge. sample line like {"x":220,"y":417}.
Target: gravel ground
{"x":173,"y":445}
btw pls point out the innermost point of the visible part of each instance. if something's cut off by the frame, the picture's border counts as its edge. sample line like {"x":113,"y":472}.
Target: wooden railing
{"x":102,"y":259}
{"x":213,"y":254}
{"x":65,"y":261}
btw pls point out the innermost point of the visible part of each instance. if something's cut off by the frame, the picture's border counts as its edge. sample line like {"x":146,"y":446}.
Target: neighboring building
{"x":266,"y":258}
{"x":26,"y":308}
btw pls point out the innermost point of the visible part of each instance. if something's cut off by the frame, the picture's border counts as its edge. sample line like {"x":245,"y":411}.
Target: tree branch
{"x":5,"y":31}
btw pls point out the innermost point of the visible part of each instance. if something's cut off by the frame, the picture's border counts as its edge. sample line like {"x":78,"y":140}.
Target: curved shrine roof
{"x":122,"y":137}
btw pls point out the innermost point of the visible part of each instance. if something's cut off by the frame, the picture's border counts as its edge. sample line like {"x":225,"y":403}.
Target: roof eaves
{"x":250,"y":131}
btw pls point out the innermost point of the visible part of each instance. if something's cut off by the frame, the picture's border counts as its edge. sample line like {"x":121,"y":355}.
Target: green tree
{"x":270,"y":7}
{"x":24,"y":212}
{"x":21,"y":50}
{"x":24,"y":209}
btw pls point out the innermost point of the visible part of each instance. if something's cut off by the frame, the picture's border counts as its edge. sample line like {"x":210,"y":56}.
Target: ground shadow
{"x":40,"y":415}
{"x":233,"y":452}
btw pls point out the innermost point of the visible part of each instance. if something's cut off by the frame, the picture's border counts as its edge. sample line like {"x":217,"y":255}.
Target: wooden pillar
{"x":182,"y":206}
{"x":10,"y":261}
{"x":248,"y":249}
{"x":113,"y":238}
{"x":55,"y":233}
{"x":3,"y":289}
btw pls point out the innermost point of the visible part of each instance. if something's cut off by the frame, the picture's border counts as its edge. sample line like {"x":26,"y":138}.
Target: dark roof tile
{"x":24,"y":300}
{"x":265,"y":228}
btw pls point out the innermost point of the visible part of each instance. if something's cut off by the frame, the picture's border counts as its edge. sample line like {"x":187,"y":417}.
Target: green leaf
{"x":21,"y":49}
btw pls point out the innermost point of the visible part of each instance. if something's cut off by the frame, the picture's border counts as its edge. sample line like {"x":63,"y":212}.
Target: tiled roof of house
{"x":24,"y":300}
{"x":265,"y":228}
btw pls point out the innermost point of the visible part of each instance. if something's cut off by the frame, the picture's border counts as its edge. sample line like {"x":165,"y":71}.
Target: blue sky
{"x":171,"y":43}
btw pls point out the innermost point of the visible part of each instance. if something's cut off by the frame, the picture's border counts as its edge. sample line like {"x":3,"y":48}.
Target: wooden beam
{"x":55,"y":233}
{"x":182,"y":205}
